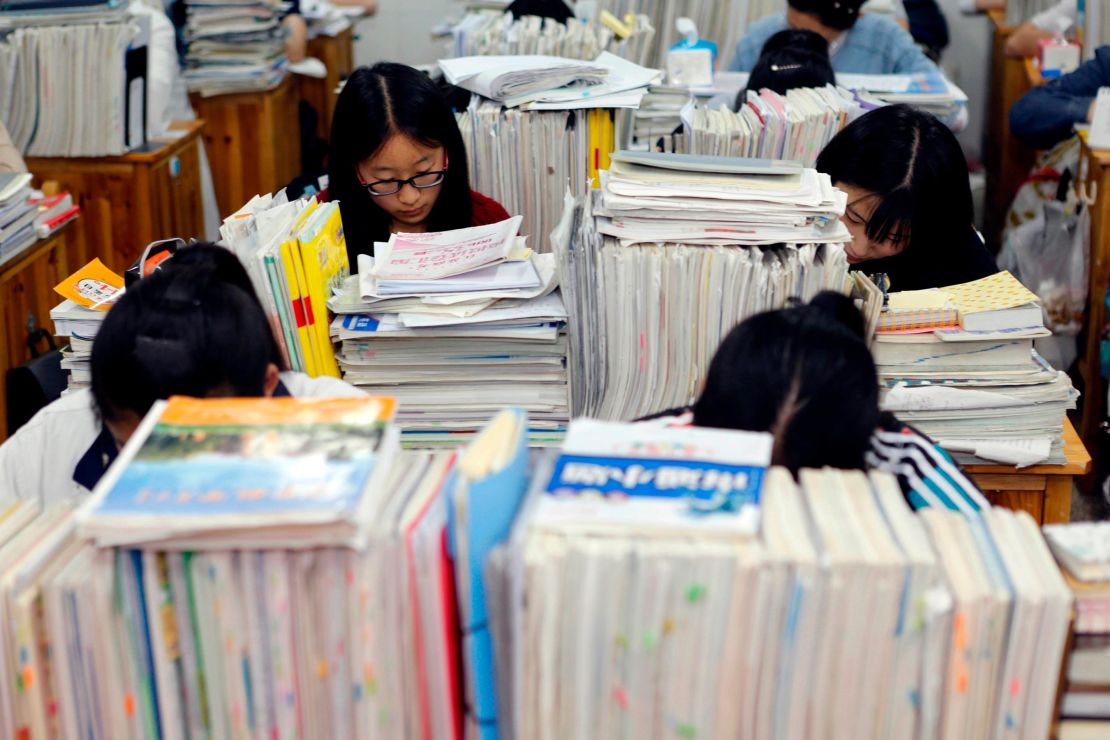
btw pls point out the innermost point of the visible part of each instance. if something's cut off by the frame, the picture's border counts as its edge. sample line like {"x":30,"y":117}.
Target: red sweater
{"x":485,"y":210}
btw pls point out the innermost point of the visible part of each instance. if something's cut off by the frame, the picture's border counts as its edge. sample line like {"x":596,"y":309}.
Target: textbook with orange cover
{"x":93,"y":286}
{"x":298,"y":471}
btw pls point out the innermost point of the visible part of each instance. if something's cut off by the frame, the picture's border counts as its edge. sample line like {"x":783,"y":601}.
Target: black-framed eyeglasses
{"x":421,"y":182}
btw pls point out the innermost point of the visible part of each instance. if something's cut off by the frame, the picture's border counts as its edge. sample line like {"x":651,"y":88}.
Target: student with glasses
{"x":397,"y":161}
{"x":909,"y":199}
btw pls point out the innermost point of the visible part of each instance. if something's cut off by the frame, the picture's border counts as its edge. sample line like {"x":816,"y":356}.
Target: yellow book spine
{"x":312,"y":255}
{"x":609,"y":139}
{"x":300,"y":315}
{"x":595,"y":146}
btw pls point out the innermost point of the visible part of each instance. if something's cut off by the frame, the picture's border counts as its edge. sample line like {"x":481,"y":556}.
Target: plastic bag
{"x":1049,"y":254}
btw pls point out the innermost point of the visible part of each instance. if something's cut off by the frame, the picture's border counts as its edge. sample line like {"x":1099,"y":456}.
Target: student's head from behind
{"x":790,"y":59}
{"x":194,"y":328}
{"x":805,"y":375}
{"x":907,"y":183}
{"x":830,"y":18}
{"x":397,"y":159}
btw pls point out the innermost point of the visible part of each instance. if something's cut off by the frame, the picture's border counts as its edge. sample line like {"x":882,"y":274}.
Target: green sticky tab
{"x":695,"y":593}
{"x":685,"y":730}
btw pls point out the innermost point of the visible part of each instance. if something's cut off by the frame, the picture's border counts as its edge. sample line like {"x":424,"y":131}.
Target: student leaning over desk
{"x":863,"y":43}
{"x":397,"y":161}
{"x":805,"y":375}
{"x":196,"y":328}
{"x":909,"y":199}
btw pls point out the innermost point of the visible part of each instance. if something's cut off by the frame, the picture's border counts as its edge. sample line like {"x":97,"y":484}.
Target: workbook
{"x":300,"y":471}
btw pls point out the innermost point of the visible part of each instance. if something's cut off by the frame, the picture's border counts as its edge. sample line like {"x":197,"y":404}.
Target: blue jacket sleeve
{"x":1045,"y":115}
{"x":908,"y":56}
{"x":748,"y":48}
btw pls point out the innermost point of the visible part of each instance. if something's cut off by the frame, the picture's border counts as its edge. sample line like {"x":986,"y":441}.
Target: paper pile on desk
{"x":456,"y":347}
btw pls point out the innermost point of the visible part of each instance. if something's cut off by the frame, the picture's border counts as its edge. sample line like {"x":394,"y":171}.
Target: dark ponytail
{"x":805,"y":375}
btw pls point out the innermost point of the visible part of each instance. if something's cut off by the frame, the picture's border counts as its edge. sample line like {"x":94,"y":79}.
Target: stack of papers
{"x":234,"y":46}
{"x":642,"y":340}
{"x":659,"y":115}
{"x":492,"y":33}
{"x":552,"y":83}
{"x":982,"y":393}
{"x":24,"y":13}
{"x":457,"y":348}
{"x":649,"y":197}
{"x":296,"y":255}
{"x":648,"y":614}
{"x":18,"y":210}
{"x":46,"y":73}
{"x":527,"y":160}
{"x":327,"y":19}
{"x":795,"y":126}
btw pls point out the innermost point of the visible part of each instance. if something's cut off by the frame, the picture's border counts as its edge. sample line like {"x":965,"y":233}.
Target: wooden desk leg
{"x":1057,"y":499}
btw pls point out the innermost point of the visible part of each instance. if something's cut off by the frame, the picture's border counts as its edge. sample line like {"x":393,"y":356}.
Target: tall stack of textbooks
{"x":959,"y":364}
{"x":1083,"y":551}
{"x":49,"y":63}
{"x":527,"y":160}
{"x":637,"y":597}
{"x":540,"y":126}
{"x":234,"y":46}
{"x":750,"y":235}
{"x":482,"y":33}
{"x":274,"y":567}
{"x":795,"y":126}
{"x":296,"y":255}
{"x":17,"y":214}
{"x":457,"y":325}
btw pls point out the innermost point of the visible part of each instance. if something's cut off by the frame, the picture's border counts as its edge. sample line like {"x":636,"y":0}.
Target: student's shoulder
{"x":767,"y":26}
{"x":72,"y":411}
{"x":485,"y":210}
{"x":300,"y":385}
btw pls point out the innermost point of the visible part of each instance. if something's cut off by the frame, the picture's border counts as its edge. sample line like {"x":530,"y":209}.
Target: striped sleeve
{"x":928,"y":476}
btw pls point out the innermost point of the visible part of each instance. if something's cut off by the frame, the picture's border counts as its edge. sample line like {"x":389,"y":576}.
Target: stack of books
{"x":754,"y":234}
{"x":18,"y":211}
{"x":234,"y":46}
{"x":1083,"y":551}
{"x":959,"y":364}
{"x":636,"y":597}
{"x":486,"y":33}
{"x":296,"y":256}
{"x":651,"y":197}
{"x":795,"y":126}
{"x":654,"y":123}
{"x":50,"y":62}
{"x":457,"y":333}
{"x":275,"y":567}
{"x":88,"y":295}
{"x":528,"y":160}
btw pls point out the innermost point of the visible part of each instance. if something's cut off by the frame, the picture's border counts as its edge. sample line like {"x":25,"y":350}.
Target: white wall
{"x":401,"y":32}
{"x":967,"y":62}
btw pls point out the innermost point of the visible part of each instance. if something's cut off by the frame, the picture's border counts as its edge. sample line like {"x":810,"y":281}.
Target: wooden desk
{"x":130,"y":200}
{"x":1096,"y":166}
{"x":253,"y":142}
{"x":1033,"y":73}
{"x":1042,"y":490}
{"x":1007,"y":160}
{"x":338,"y":55}
{"x":27,"y":294}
